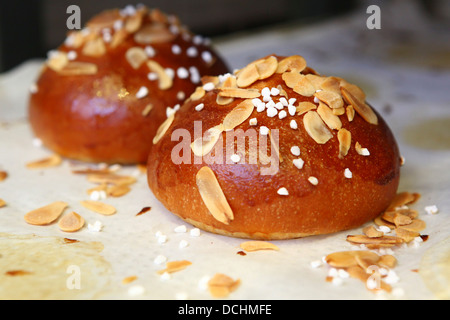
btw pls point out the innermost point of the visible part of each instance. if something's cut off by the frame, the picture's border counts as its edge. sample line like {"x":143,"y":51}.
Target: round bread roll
{"x":275,"y":151}
{"x":103,"y":93}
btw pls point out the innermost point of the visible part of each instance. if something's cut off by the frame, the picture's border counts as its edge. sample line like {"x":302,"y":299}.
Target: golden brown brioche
{"x":101,"y":96}
{"x":332,"y":162}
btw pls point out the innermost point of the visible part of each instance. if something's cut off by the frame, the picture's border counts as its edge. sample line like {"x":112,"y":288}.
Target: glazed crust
{"x":98,"y":117}
{"x":336,"y":203}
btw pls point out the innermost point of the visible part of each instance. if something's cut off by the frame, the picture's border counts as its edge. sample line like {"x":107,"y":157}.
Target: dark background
{"x":30,"y":28}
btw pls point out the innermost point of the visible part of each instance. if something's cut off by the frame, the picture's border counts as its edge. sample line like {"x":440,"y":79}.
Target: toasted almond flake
{"x":221,"y":285}
{"x":316,"y":80}
{"x":163,"y":128}
{"x":2,"y":203}
{"x":238,"y":115}
{"x":304,"y":107}
{"x":345,"y":259}
{"x":3,"y":175}
{"x":353,"y":89}
{"x":401,"y":219}
{"x":118,"y":190}
{"x":111,"y":178}
{"x":118,"y":37}
{"x":416,"y":225}
{"x":128,"y":279}
{"x":222,"y":101}
{"x":387,"y":261}
{"x":94,"y":48}
{"x":134,"y":22}
{"x":267,"y":67}
{"x":230,"y":82}
{"x":147,"y":109}
{"x":174,"y":266}
{"x":345,"y":139}
{"x":331,"y":84}
{"x":258,"y":245}
{"x":58,"y":60}
{"x":213,"y":196}
{"x":363,"y":239}
{"x":372,"y":232}
{"x":99,"y":207}
{"x":406,"y":235}
{"x":363,"y":109}
{"x":316,"y":128}
{"x":332,"y":99}
{"x":304,"y":87}
{"x":164,"y":80}
{"x":136,"y":56}
{"x":77,"y":68}
{"x":153,"y":33}
{"x":203,"y":145}
{"x":379,"y":221}
{"x":331,"y":120}
{"x":239,"y":93}
{"x":197,"y":94}
{"x":402,"y":199}
{"x":71,"y":222}
{"x":291,"y":78}
{"x":350,"y":111}
{"x":46,"y":214}
{"x":52,"y":161}
{"x":297,"y":63}
{"x":247,"y":76}
{"x":360,"y":150}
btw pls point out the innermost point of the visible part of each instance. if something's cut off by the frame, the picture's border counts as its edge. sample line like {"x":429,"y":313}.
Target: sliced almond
{"x":331,"y":84}
{"x":403,"y":198}
{"x":291,"y":78}
{"x":163,"y":128}
{"x":258,"y":245}
{"x":331,"y":98}
{"x":338,"y":111}
{"x":3,"y":175}
{"x":416,"y":225}
{"x":372,"y":232}
{"x":345,"y":259}
{"x":363,"y":109}
{"x":222,"y":101}
{"x":78,"y":68}
{"x":247,"y":75}
{"x":45,"y":215}
{"x":58,"y":60}
{"x":297,"y":63}
{"x":379,"y":221}
{"x":164,"y":80}
{"x":239,"y":93}
{"x":203,"y":145}
{"x":330,"y":119}
{"x":94,"y":48}
{"x":111,"y":178}
{"x":387,"y":261}
{"x":238,"y":115}
{"x":118,"y":38}
{"x":148,"y":108}
{"x":345,"y":139}
{"x":71,"y":222}
{"x":197,"y":94}
{"x":52,"y":161}
{"x":118,"y":190}
{"x":154,"y":33}
{"x":2,"y":203}
{"x":267,"y":67}
{"x":304,"y":87}
{"x":213,"y":196}
{"x":99,"y":207}
{"x":362,"y":239}
{"x":353,"y":89}
{"x":221,"y":285}
{"x":406,"y":235}
{"x":103,"y":20}
{"x":350,"y":111}
{"x":230,"y":82}
{"x":174,"y":266}
{"x":316,"y":80}
{"x":134,"y":22}
{"x":401,"y":219}
{"x":316,"y":128}
{"x":304,"y":107}
{"x":136,"y":56}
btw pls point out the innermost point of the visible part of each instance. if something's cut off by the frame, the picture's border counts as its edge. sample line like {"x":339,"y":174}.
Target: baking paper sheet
{"x":405,"y":83}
